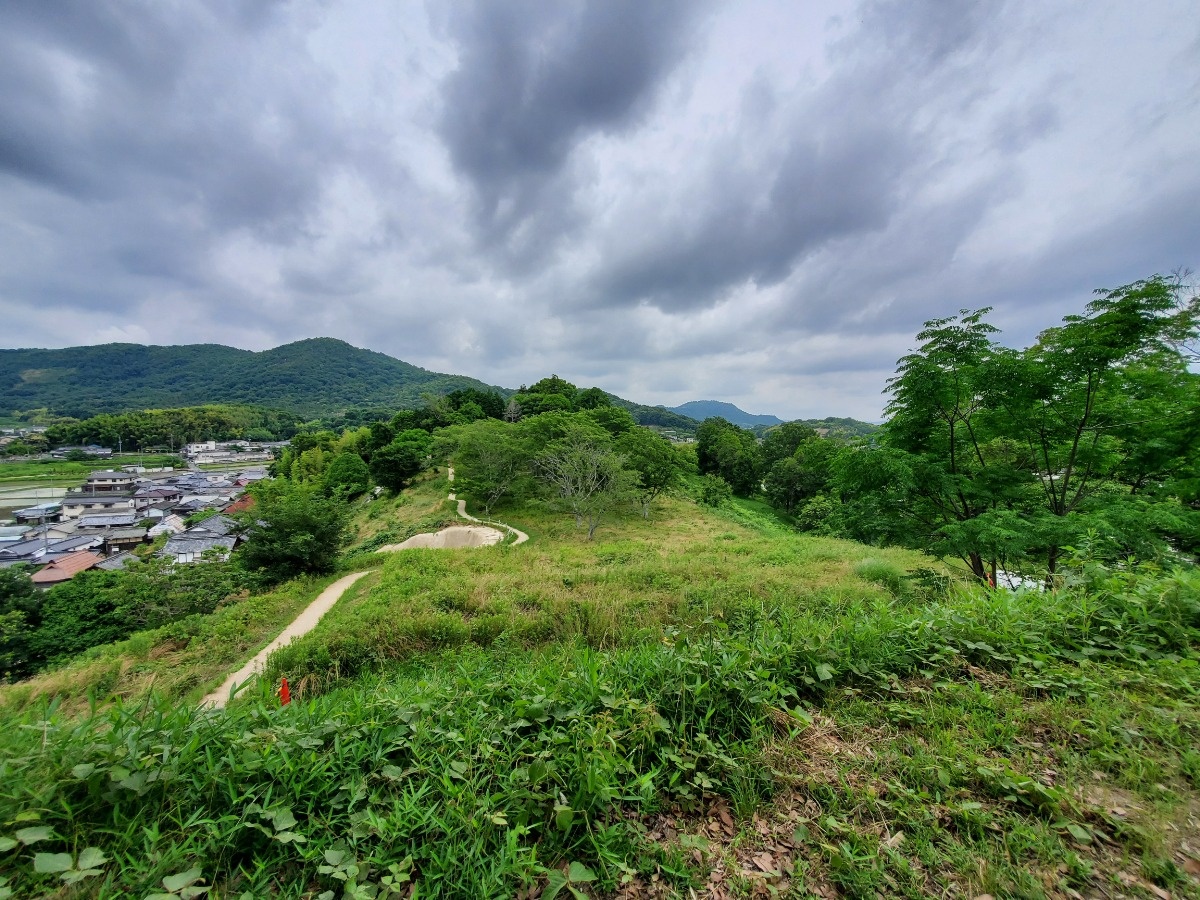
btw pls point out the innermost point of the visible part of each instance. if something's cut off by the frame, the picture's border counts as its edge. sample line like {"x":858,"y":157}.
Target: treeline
{"x":39,"y":629}
{"x":1004,"y":457}
{"x":175,"y":427}
{"x":551,"y":439}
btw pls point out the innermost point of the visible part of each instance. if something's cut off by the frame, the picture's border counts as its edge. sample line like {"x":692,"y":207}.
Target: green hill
{"x":313,"y":377}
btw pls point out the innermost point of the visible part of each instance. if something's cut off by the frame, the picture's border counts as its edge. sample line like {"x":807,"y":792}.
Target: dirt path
{"x":478,"y":535}
{"x":301,"y":625}
{"x":522,"y":537}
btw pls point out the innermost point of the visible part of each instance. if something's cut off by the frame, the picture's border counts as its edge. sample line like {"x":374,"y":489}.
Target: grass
{"x":703,"y":704}
{"x":178,"y":662}
{"x":39,"y":470}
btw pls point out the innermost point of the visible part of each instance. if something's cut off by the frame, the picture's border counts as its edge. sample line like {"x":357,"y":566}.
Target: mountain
{"x":707,"y":409}
{"x":314,"y":377}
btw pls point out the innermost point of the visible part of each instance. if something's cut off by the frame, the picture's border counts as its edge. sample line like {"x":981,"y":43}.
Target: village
{"x":119,"y":515}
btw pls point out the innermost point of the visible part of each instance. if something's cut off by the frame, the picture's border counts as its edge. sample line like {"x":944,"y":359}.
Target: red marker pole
{"x":285,"y":693}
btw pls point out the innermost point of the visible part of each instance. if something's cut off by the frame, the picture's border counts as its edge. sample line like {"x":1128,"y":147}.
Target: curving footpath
{"x":301,"y":625}
{"x":307,"y":620}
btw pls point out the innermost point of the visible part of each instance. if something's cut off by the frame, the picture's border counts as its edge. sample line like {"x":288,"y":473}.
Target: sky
{"x":751,"y":201}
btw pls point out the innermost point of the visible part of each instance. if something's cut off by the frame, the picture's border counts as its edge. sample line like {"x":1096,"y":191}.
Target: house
{"x":213,"y":535}
{"x":192,"y":449}
{"x":11,"y":534}
{"x":44,"y":550}
{"x":54,"y":531}
{"x":108,"y":480}
{"x":116,"y":562}
{"x":171,"y":524}
{"x":65,"y":568}
{"x":76,"y":503}
{"x":43,"y":512}
{"x":94,"y":522}
{"x":123,"y":540}
{"x":241,"y":504}
{"x":148,"y":496}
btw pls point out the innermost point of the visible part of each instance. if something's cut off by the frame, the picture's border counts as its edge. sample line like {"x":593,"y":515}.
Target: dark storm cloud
{"x":853,"y":153}
{"x":536,"y":79}
{"x":158,"y":131}
{"x":758,"y":201}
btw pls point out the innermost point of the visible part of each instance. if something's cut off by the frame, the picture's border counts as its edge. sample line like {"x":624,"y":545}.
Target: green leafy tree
{"x":347,"y":476}
{"x":592,"y":398}
{"x":20,"y":616}
{"x":491,"y":462}
{"x":292,"y":530}
{"x":715,"y":491}
{"x":1105,"y":399}
{"x":724,"y":449}
{"x":582,"y":472}
{"x":395,"y":465}
{"x":658,"y":465}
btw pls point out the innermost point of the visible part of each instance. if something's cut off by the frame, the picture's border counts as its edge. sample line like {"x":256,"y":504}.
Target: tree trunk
{"x":977,"y":567}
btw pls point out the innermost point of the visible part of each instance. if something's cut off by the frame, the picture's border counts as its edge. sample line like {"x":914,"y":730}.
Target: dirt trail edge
{"x":521,"y":537}
{"x":302,"y":624}
{"x":307,"y":620}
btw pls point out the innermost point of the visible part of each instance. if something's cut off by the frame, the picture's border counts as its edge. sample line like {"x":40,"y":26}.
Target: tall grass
{"x":473,"y":772}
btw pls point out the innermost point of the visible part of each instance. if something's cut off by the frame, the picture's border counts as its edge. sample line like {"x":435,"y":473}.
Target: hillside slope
{"x":317,"y":376}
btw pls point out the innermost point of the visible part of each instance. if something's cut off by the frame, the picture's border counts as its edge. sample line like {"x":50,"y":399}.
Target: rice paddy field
{"x":701,"y":704}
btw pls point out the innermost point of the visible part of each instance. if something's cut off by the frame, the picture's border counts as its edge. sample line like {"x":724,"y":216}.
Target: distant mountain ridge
{"x":312,"y":377}
{"x":708,"y":409}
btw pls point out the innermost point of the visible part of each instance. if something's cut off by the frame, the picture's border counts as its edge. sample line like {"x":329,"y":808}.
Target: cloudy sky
{"x":752,"y":201}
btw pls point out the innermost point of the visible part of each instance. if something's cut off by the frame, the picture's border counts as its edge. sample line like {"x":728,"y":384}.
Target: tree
{"x":347,"y":476}
{"x":592,"y":398}
{"x":782,"y":441}
{"x":946,"y":470}
{"x":490,"y":461}
{"x":292,"y":530}
{"x":585,"y":474}
{"x":395,"y":465}
{"x":714,"y":491}
{"x":20,"y":616}
{"x":658,"y":465}
{"x":724,"y":449}
{"x":1105,"y":399}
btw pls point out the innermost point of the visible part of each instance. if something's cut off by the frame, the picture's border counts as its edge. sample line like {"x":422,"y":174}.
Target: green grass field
{"x":704,"y":704}
{"x":74,"y":472}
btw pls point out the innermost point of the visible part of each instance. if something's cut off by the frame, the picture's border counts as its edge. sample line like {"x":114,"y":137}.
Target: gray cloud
{"x":758,"y":202}
{"x":536,"y":79}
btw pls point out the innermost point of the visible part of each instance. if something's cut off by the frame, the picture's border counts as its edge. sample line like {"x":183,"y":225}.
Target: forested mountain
{"x":709,"y":409}
{"x":314,"y":377}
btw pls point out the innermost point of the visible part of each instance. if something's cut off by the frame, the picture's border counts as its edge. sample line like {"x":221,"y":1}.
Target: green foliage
{"x":493,"y":770}
{"x":731,"y":452}
{"x":395,"y":465}
{"x":583,"y":473}
{"x":293,"y":529}
{"x":492,"y":461}
{"x":1003,"y":458}
{"x":347,"y":476}
{"x":659,"y":466}
{"x":20,"y":617}
{"x":175,"y":427}
{"x":96,"y":607}
{"x":715,"y":491}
